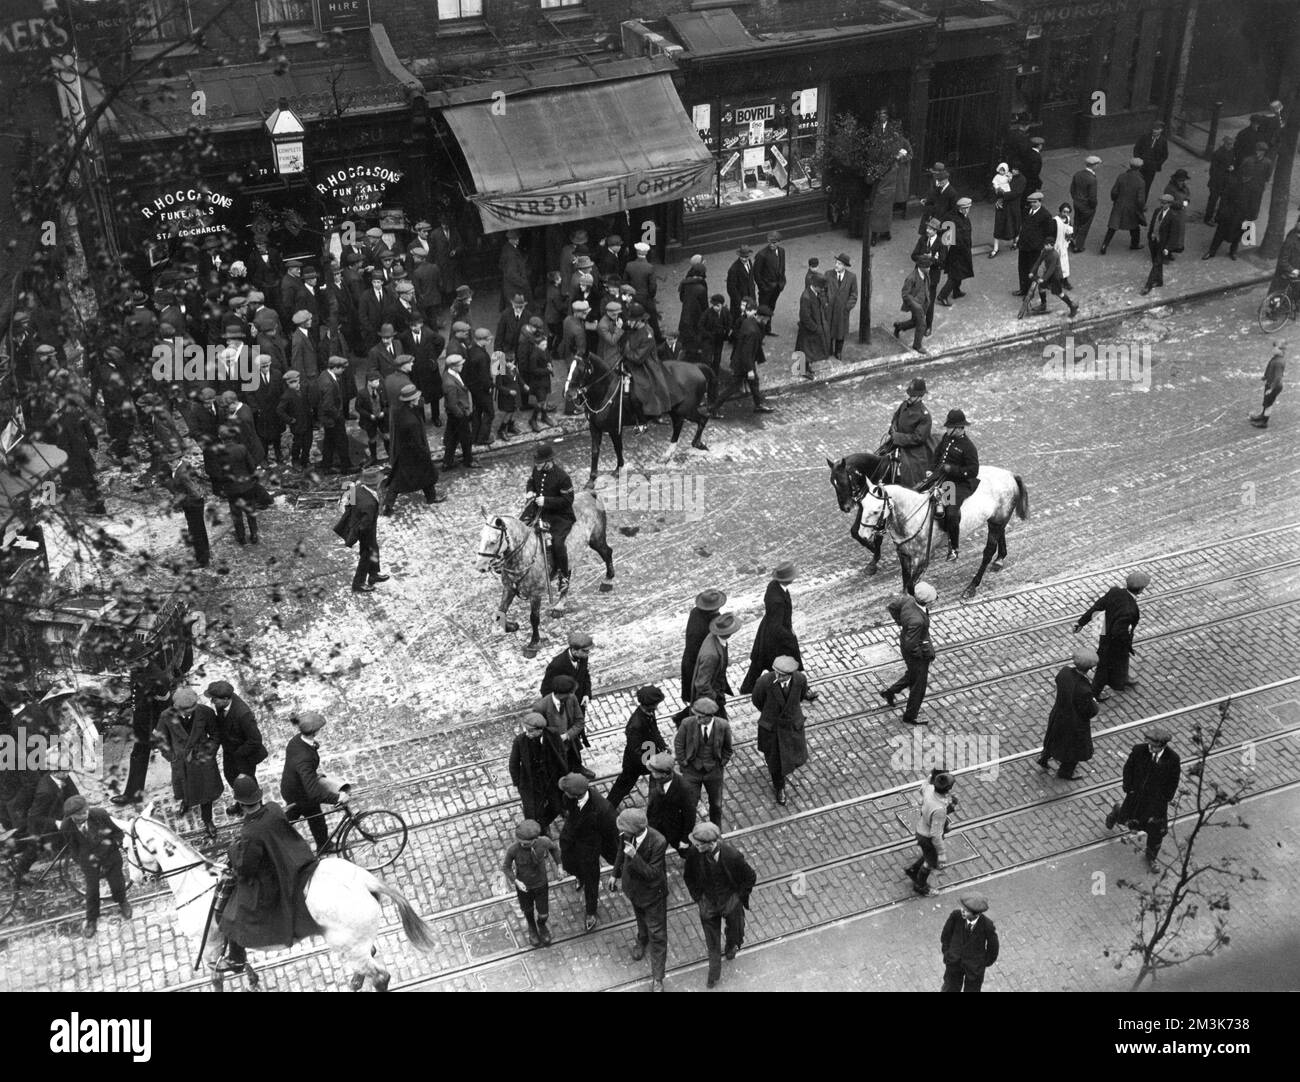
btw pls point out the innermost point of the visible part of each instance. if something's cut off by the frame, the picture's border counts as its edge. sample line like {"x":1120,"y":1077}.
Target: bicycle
{"x":372,"y":839}
{"x":1279,"y":306}
{"x":38,"y":894}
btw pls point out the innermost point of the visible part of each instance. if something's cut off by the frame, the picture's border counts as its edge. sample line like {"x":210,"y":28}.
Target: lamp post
{"x":286,"y":132}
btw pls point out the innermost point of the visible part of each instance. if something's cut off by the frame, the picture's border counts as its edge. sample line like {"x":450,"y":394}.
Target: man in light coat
{"x":841,"y":299}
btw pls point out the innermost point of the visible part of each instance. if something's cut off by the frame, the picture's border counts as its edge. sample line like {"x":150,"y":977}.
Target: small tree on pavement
{"x":1174,"y":908}
{"x":863,"y":157}
{"x":1276,"y":33}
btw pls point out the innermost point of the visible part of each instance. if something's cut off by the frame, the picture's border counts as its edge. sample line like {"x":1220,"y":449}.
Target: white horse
{"x":341,"y":897}
{"x":910,"y":519}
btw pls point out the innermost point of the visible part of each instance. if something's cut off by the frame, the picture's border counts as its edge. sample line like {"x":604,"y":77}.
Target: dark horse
{"x":607,"y":411}
{"x":850,"y":477}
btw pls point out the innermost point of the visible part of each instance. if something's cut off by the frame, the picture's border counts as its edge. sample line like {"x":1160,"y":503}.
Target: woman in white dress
{"x":1064,"y":231}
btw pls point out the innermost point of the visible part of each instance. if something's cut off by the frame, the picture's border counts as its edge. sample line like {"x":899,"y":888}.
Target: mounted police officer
{"x":261,"y":901}
{"x":955,"y":460}
{"x":552,"y":500}
{"x":909,"y":435}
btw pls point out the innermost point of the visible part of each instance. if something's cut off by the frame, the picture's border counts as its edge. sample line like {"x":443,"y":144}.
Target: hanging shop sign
{"x":592,"y":198}
{"x":186,"y":212}
{"x":358,"y":189}
{"x":344,"y":15}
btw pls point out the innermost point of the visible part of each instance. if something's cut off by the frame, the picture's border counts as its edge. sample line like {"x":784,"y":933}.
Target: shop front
{"x":1094,"y":73}
{"x":761,"y":106}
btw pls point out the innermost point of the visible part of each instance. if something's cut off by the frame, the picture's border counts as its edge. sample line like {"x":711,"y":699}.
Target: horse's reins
{"x":501,"y":561}
{"x":886,"y":503}
{"x":615,"y":374}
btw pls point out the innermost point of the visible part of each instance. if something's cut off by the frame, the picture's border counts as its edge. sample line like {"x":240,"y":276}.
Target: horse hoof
{"x":557,"y":612}
{"x":381,"y":983}
{"x":968,"y":593}
{"x":606,"y":587}
{"x":591,"y":482}
{"x":358,"y":979}
{"x":531,"y":650}
{"x":510,"y":626}
{"x":996,"y":565}
{"x":871,"y":569}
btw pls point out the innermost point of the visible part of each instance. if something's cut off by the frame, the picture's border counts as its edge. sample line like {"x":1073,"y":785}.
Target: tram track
{"x":494,"y":807}
{"x":1001,"y":815}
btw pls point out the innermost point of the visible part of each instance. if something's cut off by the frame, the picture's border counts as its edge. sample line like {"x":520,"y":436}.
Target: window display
{"x":763,"y":147}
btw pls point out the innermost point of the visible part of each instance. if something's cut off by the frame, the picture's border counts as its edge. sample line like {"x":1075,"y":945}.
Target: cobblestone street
{"x":423,"y":696}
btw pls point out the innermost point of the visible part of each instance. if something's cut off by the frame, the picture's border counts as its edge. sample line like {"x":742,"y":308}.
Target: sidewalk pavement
{"x":1055,"y":920}
{"x":1106,"y":287}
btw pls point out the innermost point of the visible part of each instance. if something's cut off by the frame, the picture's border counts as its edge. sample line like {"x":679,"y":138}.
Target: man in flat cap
{"x":929,"y":243}
{"x":330,"y":405}
{"x":669,"y":808}
{"x":1151,"y":775}
{"x":958,"y":262}
{"x":95,"y":842}
{"x":1069,"y":730}
{"x":537,"y":763}
{"x":526,"y":871}
{"x":702,"y":748}
{"x":237,"y":732}
{"x":970,"y":945}
{"x":642,"y":740}
{"x":460,"y":414}
{"x":912,"y":615}
{"x":746,"y":357}
{"x":564,"y":716}
{"x":641,"y":276}
{"x":590,"y":832}
{"x":187,"y":739}
{"x":1037,"y":231}
{"x":640,"y":872}
{"x":916,"y":298}
{"x":1162,"y":222}
{"x":1083,"y":195}
{"x":1128,"y":199}
{"x":709,"y":678}
{"x":769,"y":272}
{"x":779,"y":696}
{"x":263,"y":903}
{"x":720,"y":881}
{"x":841,"y":299}
{"x":302,"y":784}
{"x":572,"y":661}
{"x":740,"y":282}
{"x":1119,"y":604}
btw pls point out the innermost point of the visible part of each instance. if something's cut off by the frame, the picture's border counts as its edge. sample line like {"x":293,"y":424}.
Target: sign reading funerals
{"x":358,"y":189}
{"x":344,"y":14}
{"x":186,"y":212}
{"x":592,"y":198}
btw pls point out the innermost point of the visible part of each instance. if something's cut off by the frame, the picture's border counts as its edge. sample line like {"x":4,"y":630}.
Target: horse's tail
{"x":1022,"y":498}
{"x":417,"y":932}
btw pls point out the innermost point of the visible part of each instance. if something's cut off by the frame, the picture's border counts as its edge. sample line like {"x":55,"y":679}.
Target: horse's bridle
{"x":501,"y":562}
{"x":137,"y":845}
{"x":885,"y":505}
{"x":615,"y":374}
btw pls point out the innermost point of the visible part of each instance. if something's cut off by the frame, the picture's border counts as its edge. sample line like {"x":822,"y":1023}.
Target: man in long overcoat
{"x":412,"y":468}
{"x":841,"y":299}
{"x":669,"y":807}
{"x":1069,"y":730}
{"x":709,"y":680}
{"x":769,"y":271}
{"x":187,"y":738}
{"x":590,"y":832}
{"x":1152,"y":149}
{"x":909,"y":433}
{"x":707,"y":605}
{"x":813,"y":335}
{"x":1128,"y":199}
{"x":958,"y":263}
{"x":237,"y":732}
{"x":1151,"y":776}
{"x":271,"y":864}
{"x":537,"y":763}
{"x":1083,"y":196}
{"x":640,"y":872}
{"x":740,"y":282}
{"x":775,"y":634}
{"x":779,"y":696}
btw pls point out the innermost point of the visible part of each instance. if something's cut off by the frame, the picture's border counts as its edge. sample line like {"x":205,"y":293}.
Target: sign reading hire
{"x":344,"y":14}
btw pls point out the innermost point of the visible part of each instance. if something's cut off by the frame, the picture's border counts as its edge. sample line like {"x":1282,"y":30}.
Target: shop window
{"x":549,"y":4}
{"x":763,"y":148}
{"x":160,"y":20}
{"x":1066,"y":70}
{"x":280,"y":14}
{"x":451,"y":10}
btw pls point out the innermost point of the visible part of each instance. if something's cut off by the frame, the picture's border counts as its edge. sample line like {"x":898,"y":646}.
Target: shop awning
{"x":579,"y":152}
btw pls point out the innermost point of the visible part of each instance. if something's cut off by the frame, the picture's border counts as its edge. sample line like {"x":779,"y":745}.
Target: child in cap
{"x":506,"y":382}
{"x":525,"y":869}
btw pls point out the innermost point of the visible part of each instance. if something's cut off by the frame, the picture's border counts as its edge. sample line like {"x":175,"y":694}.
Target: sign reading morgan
{"x":593,"y":198}
{"x":359,"y":189}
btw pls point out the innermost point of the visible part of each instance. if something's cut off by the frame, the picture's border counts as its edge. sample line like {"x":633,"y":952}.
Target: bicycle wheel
{"x":1274,"y":311}
{"x":71,"y":875}
{"x":375,"y":839}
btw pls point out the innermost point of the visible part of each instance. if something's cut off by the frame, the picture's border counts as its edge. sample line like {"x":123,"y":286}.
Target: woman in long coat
{"x":1179,"y":188}
{"x":187,"y":739}
{"x":813,"y":336}
{"x":411,"y":466}
{"x":779,"y":696}
{"x":775,"y":635}
{"x":1069,"y":729}
{"x":1008,"y":189}
{"x":1127,"y":202}
{"x":694,"y":295}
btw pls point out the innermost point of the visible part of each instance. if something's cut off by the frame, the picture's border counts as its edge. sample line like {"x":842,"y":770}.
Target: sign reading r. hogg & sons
{"x":186,"y":212}
{"x":358,"y":189}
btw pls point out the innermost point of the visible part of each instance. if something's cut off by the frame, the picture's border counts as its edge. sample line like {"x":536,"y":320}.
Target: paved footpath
{"x":1056,"y":920}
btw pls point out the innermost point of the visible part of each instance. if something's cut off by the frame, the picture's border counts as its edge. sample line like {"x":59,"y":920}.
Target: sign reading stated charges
{"x":591,"y":198}
{"x":186,"y":212}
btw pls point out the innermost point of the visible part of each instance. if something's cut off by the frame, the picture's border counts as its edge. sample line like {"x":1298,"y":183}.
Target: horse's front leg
{"x":596,"y":437}
{"x":677,"y":435}
{"x":508,"y":594}
{"x":905,"y":569}
{"x":616,"y":437}
{"x":534,"y":618}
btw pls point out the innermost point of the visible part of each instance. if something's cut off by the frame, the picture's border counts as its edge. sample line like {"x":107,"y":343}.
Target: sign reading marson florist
{"x":592,"y":198}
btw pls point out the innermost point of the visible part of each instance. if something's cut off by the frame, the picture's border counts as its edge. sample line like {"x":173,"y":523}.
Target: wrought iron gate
{"x":961,"y":128}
